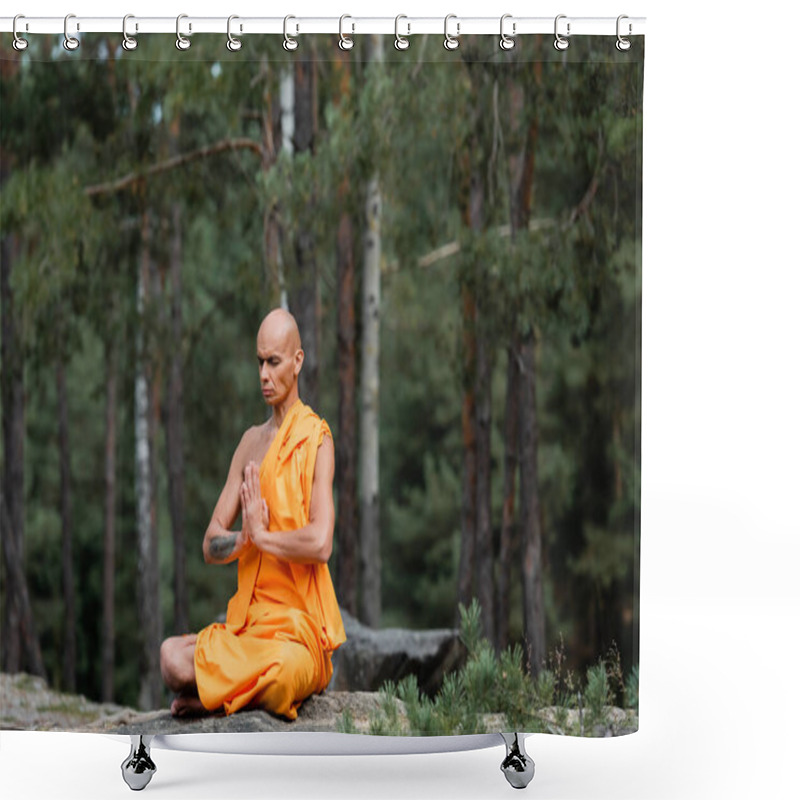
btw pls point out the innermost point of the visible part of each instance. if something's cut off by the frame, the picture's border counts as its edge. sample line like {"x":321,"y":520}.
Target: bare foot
{"x":187,"y":706}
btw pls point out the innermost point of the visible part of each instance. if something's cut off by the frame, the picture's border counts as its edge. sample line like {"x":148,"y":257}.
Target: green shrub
{"x":632,"y":689}
{"x":597,"y":695}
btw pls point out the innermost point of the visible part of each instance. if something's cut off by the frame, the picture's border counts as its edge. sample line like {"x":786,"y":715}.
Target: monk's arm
{"x":311,"y":544}
{"x":221,"y":545}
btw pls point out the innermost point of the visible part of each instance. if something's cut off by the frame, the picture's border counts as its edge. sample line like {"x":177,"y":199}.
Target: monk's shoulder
{"x":252,"y":441}
{"x":312,"y":422}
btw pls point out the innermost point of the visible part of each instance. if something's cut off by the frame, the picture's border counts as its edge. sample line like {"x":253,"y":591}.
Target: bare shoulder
{"x":251,"y":443}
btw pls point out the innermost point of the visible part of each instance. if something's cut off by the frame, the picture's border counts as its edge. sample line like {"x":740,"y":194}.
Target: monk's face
{"x":280,"y":358}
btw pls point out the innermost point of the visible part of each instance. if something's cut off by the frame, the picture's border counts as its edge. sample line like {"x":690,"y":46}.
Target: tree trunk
{"x":511,"y":460}
{"x":17,"y":587}
{"x":175,"y":429}
{"x":484,"y":550}
{"x":13,"y":399}
{"x":466,"y":562}
{"x":522,"y":144}
{"x":148,"y":585}
{"x":530,"y":512}
{"x":109,"y":532}
{"x":370,"y":398}
{"x":304,"y":300}
{"x":67,"y":572}
{"x":346,"y":446}
{"x":369,"y":514}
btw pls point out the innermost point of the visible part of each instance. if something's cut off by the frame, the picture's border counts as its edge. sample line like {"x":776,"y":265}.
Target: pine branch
{"x":133,"y":178}
{"x":452,"y":248}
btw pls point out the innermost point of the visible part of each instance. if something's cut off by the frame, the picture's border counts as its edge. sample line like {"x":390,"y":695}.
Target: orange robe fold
{"x":274,"y":649}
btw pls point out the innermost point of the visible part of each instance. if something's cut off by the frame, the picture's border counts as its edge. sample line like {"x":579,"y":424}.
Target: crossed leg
{"x":177,"y":669}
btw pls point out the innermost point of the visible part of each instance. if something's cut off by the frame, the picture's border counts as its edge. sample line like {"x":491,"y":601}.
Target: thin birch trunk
{"x":369,"y":512}
{"x":148,"y":585}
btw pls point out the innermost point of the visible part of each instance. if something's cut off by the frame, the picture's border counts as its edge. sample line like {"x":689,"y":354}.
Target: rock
{"x":371,"y":657}
{"x":28,"y":703}
{"x":319,"y":713}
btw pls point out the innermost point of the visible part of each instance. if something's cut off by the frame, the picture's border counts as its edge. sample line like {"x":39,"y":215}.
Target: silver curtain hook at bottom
{"x":182,"y":43}
{"x":623,"y":44}
{"x":19,"y":43}
{"x":450,"y":41}
{"x":70,"y":42}
{"x":345,"y":42}
{"x":507,"y":42}
{"x":233,"y":44}
{"x":128,"y":42}
{"x":289,"y":43}
{"x":401,"y":42}
{"x":561,"y":42}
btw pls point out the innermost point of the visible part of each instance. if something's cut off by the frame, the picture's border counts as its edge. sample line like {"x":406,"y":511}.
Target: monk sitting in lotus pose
{"x":274,"y":649}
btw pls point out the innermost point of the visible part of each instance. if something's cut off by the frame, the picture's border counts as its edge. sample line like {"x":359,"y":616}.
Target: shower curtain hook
{"x":401,"y":42}
{"x":182,"y":43}
{"x":561,"y":43}
{"x":623,"y":43}
{"x":19,"y":43}
{"x":289,"y":43}
{"x":450,"y":41}
{"x":233,"y":44}
{"x":506,"y":41}
{"x":128,"y":42}
{"x":70,"y":42}
{"x":345,"y":42}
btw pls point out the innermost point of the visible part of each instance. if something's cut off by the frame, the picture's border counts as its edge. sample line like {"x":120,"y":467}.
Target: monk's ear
{"x":298,"y":362}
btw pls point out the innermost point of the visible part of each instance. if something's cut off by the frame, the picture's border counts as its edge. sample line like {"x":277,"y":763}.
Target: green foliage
{"x":345,"y":723}
{"x":489,"y":684}
{"x":597,"y":694}
{"x":632,"y":688}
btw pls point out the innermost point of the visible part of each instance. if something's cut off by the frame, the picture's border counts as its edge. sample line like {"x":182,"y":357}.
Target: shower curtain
{"x":458,"y":234}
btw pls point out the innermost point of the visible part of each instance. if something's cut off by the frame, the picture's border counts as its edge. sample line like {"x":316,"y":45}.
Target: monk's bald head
{"x":279,"y":329}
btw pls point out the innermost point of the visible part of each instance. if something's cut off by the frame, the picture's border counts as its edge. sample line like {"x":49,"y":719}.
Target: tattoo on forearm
{"x":222,"y":546}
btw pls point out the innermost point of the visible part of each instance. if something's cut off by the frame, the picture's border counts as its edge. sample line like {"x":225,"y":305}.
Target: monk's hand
{"x":252,"y":503}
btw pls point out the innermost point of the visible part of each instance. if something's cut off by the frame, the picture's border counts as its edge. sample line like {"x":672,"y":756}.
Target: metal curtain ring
{"x":401,"y":42}
{"x":345,"y":42}
{"x":70,"y":42}
{"x":19,"y":43}
{"x":128,"y":42}
{"x":182,"y":43}
{"x":233,"y":43}
{"x":623,"y":43}
{"x":450,"y":41}
{"x":506,"y":41}
{"x":289,"y":43}
{"x":560,"y":43}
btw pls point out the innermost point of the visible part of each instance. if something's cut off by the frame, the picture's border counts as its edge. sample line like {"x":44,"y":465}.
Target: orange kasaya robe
{"x":274,"y":649}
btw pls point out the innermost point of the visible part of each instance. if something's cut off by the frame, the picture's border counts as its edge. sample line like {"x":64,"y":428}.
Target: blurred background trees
{"x":459,"y":237}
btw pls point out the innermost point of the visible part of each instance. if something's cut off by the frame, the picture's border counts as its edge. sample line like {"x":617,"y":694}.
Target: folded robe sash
{"x":276,"y":600}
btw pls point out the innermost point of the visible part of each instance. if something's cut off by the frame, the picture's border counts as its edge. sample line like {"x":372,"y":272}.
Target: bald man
{"x":274,"y":649}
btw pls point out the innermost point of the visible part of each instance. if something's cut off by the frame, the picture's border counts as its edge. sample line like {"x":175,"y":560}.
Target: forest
{"x":459,"y":237}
